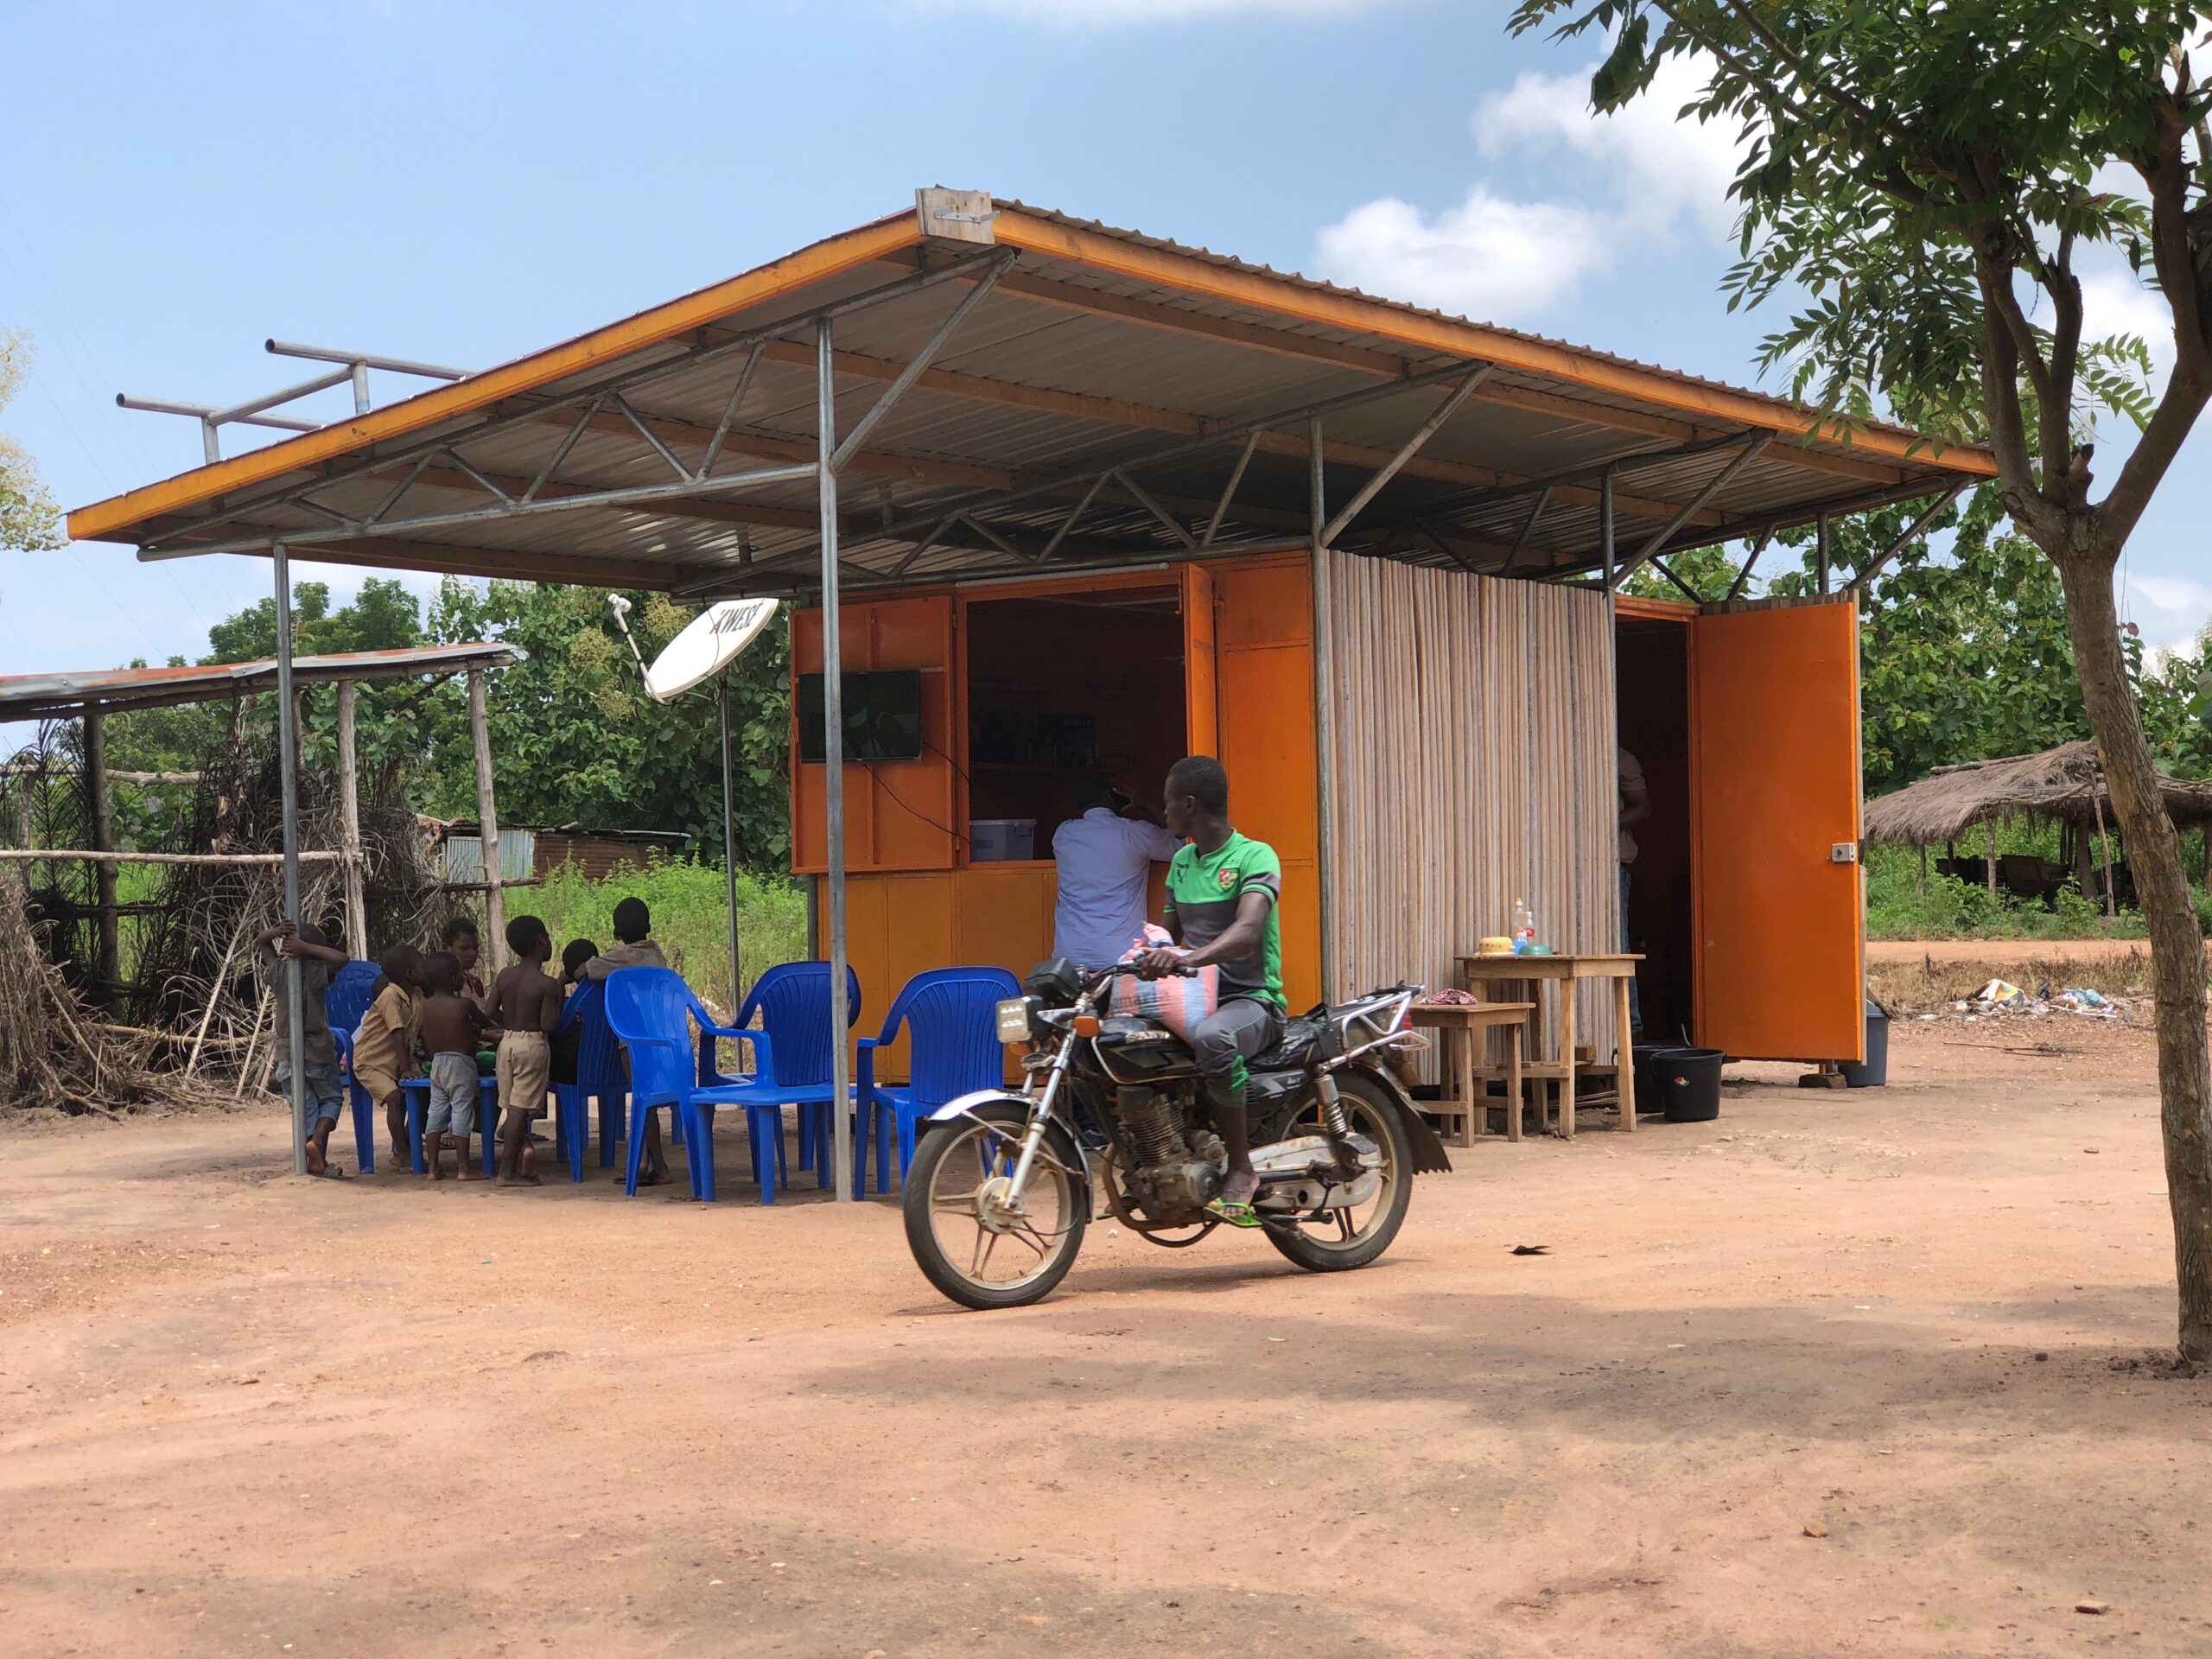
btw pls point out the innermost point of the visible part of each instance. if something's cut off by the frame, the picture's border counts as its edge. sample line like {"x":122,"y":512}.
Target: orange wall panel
{"x":898,"y":816}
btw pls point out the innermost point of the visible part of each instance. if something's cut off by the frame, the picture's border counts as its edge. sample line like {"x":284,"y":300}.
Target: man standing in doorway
{"x":1635,"y":807}
{"x":1221,"y":894}
{"x":1105,"y":862}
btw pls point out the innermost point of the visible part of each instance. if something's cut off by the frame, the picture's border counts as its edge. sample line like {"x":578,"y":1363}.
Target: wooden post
{"x":104,"y":872}
{"x":2104,"y":841}
{"x":1989,"y":864}
{"x":1922,"y":883}
{"x":487,"y":823}
{"x":349,"y":815}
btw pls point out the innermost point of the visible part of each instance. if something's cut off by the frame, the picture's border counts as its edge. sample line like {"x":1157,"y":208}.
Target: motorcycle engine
{"x":1176,"y":1170}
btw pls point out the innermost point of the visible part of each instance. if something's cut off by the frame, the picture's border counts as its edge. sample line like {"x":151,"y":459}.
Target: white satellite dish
{"x":713,"y":639}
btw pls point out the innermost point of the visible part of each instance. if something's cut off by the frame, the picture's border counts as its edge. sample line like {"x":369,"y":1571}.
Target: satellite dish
{"x":713,"y":639}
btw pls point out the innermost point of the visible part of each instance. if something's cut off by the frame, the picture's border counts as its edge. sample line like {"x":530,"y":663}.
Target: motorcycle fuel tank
{"x":1135,"y":1050}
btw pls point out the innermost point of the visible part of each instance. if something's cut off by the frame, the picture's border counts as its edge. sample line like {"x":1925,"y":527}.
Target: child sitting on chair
{"x":526,"y":1004}
{"x":452,"y":1025}
{"x":384,"y":1044}
{"x":633,"y":947}
{"x":569,"y":1039}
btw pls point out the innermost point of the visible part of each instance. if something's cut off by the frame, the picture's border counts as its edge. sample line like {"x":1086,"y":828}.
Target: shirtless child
{"x":526,"y":1004}
{"x":451,"y":1025}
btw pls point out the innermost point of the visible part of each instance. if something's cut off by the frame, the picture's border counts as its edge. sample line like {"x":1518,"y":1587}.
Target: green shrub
{"x":690,"y":912}
{"x":1952,"y":909}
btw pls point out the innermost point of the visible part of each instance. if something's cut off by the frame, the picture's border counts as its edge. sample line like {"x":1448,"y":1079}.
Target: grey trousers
{"x":453,"y":1094}
{"x":1241,"y":1028}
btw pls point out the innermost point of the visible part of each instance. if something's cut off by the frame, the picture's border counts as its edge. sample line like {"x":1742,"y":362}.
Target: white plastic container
{"x":1002,"y":841}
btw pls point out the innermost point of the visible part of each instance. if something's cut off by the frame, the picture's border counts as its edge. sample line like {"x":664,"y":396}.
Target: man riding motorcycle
{"x":1223,"y":889}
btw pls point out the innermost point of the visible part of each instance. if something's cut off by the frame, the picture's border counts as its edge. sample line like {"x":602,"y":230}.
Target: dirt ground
{"x":1856,"y":1373}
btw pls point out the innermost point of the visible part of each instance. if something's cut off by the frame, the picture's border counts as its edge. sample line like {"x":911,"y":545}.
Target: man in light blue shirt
{"x":1105,"y":861}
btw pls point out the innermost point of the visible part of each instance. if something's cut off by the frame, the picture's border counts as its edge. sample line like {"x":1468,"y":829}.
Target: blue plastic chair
{"x":652,"y":1011}
{"x":601,"y":1076}
{"x":951,"y":1019}
{"x":791,"y":1001}
{"x":343,"y":1003}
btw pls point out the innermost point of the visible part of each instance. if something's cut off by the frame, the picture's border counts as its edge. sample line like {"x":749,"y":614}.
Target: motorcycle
{"x":1002,"y":1185}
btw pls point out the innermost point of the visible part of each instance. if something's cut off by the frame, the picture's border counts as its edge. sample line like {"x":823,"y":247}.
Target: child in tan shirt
{"x":384,"y":1044}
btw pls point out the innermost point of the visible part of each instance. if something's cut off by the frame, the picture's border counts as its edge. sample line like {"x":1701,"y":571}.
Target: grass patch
{"x":691,"y":912}
{"x":1952,"y":909}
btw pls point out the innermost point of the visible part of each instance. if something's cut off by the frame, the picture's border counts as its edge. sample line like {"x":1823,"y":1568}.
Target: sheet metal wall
{"x":1474,"y":765}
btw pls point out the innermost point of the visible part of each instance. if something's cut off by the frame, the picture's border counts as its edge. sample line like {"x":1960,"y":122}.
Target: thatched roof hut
{"x":2064,"y":785}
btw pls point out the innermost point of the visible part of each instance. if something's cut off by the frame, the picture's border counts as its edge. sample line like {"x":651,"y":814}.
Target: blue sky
{"x":460,"y":183}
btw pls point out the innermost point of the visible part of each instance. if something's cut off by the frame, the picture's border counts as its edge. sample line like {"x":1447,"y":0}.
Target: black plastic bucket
{"x":1645,"y":1059}
{"x":1874,"y":1073}
{"x":1686,"y":1084}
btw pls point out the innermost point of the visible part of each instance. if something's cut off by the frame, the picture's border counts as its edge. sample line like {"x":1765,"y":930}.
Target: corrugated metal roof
{"x":1100,"y":348}
{"x":46,"y":697}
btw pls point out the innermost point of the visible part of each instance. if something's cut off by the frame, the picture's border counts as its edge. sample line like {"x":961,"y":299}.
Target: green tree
{"x":575,"y":738}
{"x":1708,"y":574}
{"x":1928,"y":174}
{"x":28,"y":518}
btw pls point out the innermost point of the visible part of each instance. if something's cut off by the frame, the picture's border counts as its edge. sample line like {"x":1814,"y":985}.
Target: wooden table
{"x":1554,"y":1061}
{"x":1460,"y":1024}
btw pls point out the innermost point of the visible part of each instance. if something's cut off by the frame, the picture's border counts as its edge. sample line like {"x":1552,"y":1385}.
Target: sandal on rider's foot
{"x":1236,"y":1215}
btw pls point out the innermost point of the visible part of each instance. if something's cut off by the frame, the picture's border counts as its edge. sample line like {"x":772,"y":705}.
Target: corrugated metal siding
{"x":517,"y":856}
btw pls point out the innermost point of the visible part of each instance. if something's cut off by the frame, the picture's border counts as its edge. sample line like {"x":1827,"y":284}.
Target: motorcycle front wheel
{"x":1341,"y":1239}
{"x":971,"y":1236}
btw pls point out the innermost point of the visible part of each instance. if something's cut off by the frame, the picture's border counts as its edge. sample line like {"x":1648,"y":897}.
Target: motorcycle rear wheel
{"x":951,"y":1180}
{"x":1352,"y":1240}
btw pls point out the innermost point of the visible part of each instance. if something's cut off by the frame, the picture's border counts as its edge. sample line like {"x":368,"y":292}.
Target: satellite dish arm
{"x":620,"y":605}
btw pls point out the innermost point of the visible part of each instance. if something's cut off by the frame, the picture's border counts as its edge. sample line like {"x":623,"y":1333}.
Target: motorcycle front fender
{"x":964,"y":1105}
{"x":968,"y":1105}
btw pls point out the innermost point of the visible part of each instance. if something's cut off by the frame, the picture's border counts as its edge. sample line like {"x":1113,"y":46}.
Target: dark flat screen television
{"x":883,"y":716}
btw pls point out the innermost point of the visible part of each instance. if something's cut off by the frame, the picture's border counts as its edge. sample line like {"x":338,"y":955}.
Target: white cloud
{"x":2117,"y":303}
{"x":1501,"y":258}
{"x":2171,"y":611}
{"x":1116,"y":13}
{"x":1505,"y":260}
{"x":1665,"y":166}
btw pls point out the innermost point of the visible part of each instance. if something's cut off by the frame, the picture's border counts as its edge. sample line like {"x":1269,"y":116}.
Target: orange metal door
{"x":1774,"y":790}
{"x":1201,"y":672}
{"x":1265,"y":659}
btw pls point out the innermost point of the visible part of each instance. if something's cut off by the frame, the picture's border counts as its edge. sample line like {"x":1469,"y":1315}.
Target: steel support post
{"x":1821,"y":549}
{"x":1605,"y":522}
{"x":729,"y":860}
{"x":833,"y":758}
{"x":1324,"y":752}
{"x":287,"y":771}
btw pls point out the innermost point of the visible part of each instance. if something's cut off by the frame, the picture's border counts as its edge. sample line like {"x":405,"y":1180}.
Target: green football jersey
{"x":1204,"y":890}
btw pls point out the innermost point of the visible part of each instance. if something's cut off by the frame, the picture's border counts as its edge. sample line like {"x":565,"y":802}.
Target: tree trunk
{"x":2177,"y":945}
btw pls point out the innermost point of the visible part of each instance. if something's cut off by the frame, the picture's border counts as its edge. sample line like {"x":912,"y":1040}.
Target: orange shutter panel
{"x":1780,"y":939}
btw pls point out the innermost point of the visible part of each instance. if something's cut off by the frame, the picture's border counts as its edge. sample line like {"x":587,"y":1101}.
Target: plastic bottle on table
{"x":1525,"y":928}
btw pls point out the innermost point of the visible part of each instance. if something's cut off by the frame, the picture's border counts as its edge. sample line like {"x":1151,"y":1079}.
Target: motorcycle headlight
{"x":1013,"y":1020}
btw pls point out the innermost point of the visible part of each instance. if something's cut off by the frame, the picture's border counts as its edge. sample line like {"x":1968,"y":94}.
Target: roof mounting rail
{"x":355,"y":367}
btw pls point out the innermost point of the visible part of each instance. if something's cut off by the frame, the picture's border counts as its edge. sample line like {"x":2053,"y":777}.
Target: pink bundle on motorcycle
{"x":1181,"y":1004}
